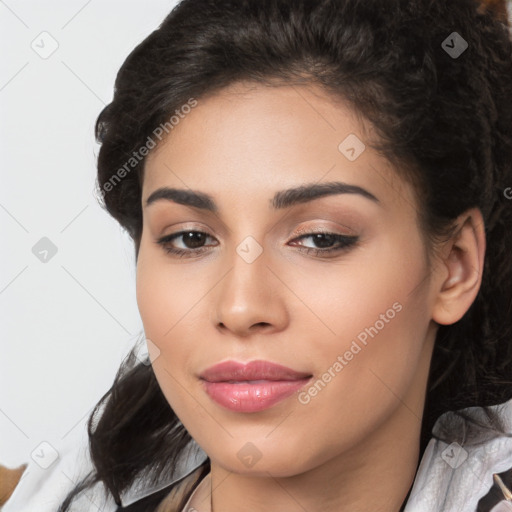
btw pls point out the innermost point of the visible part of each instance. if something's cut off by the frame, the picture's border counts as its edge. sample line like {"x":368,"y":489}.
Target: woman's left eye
{"x":343,"y":242}
{"x":193,"y":240}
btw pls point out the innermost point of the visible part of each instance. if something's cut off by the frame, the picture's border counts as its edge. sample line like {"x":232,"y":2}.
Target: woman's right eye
{"x":191,"y":240}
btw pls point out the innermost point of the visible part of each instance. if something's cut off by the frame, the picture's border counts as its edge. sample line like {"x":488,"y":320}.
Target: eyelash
{"x":344,"y":243}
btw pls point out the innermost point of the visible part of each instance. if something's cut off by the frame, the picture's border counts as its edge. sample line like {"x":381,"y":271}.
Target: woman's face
{"x":354,"y":323}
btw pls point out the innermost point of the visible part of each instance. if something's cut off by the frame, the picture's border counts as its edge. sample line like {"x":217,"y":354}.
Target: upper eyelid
{"x":301,"y":230}
{"x":313,"y":230}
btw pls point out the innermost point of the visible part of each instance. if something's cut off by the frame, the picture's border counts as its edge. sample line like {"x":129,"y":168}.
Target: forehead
{"x":249,"y":136}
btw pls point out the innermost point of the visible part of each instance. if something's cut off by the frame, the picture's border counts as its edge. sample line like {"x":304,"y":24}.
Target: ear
{"x":460,"y":269}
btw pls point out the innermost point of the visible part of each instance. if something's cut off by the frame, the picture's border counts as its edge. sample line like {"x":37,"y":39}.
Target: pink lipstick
{"x":251,"y":387}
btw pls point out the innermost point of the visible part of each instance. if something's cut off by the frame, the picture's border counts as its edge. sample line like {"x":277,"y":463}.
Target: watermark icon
{"x":153,"y":353}
{"x":304,"y":397}
{"x":44,"y":250}
{"x":44,"y":455}
{"x":249,"y":454}
{"x":249,"y":249}
{"x":508,"y":192}
{"x":45,"y":45}
{"x":352,"y":147}
{"x":454,"y":455}
{"x":454,"y":45}
{"x":137,"y":156}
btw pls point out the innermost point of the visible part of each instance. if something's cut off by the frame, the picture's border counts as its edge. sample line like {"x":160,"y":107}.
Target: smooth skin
{"x":355,"y":445}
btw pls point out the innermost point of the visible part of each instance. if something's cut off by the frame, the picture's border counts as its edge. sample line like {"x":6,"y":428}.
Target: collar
{"x":148,"y":483}
{"x":457,"y":468}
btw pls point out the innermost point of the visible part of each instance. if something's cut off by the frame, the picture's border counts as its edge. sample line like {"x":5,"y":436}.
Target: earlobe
{"x":461,"y":268}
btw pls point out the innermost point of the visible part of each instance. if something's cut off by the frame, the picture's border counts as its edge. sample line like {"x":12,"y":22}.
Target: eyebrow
{"x":282,"y":199}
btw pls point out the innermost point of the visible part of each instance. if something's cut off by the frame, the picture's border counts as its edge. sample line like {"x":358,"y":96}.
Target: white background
{"x":65,"y":324}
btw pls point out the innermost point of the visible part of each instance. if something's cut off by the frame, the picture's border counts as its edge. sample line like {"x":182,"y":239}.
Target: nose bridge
{"x":248,"y":277}
{"x":248,"y":294}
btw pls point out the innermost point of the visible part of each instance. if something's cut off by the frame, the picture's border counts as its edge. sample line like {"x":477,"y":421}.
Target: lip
{"x":251,"y":387}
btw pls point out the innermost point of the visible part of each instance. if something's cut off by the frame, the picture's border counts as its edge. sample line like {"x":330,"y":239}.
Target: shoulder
{"x":467,"y":449}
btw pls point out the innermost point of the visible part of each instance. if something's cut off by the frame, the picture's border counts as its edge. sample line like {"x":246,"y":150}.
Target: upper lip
{"x":254,"y":370}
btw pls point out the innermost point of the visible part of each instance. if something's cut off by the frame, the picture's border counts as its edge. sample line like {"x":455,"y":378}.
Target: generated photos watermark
{"x":137,"y":156}
{"x":357,"y":345}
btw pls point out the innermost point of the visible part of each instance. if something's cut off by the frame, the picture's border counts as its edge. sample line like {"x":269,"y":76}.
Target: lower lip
{"x":252,"y":397}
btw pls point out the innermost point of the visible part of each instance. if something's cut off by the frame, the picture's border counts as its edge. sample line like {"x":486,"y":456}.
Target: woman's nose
{"x":250,"y":298}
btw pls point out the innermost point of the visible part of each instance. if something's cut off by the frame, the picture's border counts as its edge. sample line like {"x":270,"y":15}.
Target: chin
{"x":259,"y":459}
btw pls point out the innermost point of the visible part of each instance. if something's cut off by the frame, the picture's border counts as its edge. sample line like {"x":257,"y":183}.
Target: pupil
{"x":322,"y":237}
{"x":194,"y":239}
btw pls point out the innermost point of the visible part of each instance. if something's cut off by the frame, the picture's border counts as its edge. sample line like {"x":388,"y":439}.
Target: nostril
{"x":261,"y":324}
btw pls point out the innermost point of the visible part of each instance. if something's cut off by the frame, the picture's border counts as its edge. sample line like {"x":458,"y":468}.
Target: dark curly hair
{"x":444,"y":121}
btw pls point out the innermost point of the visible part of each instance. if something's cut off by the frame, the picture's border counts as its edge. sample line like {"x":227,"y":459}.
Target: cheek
{"x":374,"y":294}
{"x":378,"y":327}
{"x":165,"y":305}
{"x":165,"y":294}
{"x":374,"y":300}
{"x":151,"y":300}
